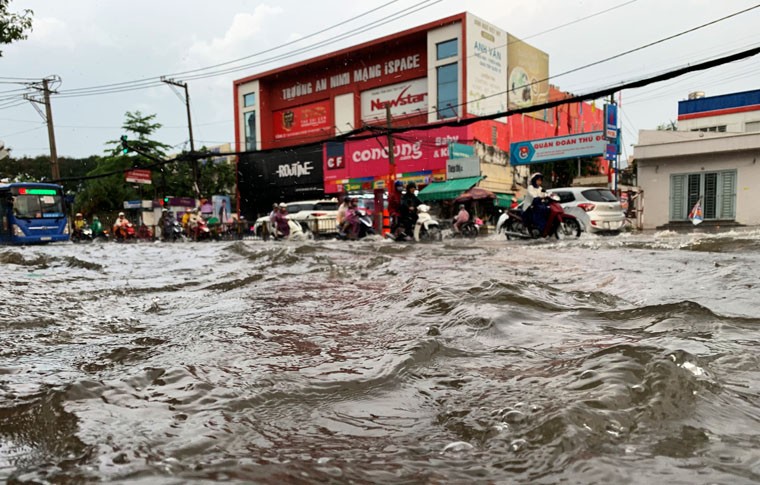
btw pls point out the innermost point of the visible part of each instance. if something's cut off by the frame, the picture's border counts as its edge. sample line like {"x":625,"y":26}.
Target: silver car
{"x":596,"y":208}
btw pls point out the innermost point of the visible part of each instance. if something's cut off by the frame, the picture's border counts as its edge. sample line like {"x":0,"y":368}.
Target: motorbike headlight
{"x":17,"y":231}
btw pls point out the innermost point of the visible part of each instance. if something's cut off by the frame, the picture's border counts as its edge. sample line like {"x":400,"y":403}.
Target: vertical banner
{"x":610,"y":122}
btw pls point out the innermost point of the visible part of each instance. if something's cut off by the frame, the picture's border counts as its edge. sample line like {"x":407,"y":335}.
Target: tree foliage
{"x":13,"y":26}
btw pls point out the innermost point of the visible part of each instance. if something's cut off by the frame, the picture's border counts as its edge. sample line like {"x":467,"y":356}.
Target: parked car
{"x":596,"y":208}
{"x":315,"y":216}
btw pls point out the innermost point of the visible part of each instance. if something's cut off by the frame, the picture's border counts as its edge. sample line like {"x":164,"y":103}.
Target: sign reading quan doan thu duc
{"x":558,"y":148}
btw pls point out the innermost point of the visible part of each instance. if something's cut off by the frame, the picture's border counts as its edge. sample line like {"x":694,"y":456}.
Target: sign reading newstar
{"x":559,"y":148}
{"x":405,"y":98}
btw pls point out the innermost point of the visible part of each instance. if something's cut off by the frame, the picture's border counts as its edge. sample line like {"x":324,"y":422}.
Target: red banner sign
{"x":138,"y":176}
{"x":302,"y":121}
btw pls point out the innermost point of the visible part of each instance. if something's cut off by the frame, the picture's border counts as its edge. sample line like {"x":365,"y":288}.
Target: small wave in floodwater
{"x":628,"y":359}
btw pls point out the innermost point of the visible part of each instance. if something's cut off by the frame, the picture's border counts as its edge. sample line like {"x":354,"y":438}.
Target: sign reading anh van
{"x":405,"y":99}
{"x":557,"y":148}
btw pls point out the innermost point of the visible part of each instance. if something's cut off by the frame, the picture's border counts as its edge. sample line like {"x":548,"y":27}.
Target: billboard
{"x":407,"y":98}
{"x":486,"y":52}
{"x":414,"y":152}
{"x":558,"y":148}
{"x":287,"y":175}
{"x":528,"y":75}
{"x":610,"y":122}
{"x":459,"y":168}
{"x":302,"y":121}
{"x":138,"y":176}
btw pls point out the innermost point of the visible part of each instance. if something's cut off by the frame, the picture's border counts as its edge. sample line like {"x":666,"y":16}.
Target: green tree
{"x":669,"y":126}
{"x":13,"y":26}
{"x":107,"y":193}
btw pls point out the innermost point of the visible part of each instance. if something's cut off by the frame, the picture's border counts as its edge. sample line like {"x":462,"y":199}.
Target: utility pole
{"x":196,"y":172}
{"x":48,"y":117}
{"x":379,"y":200}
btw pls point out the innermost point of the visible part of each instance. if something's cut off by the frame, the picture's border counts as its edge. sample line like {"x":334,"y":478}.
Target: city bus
{"x":32,"y":213}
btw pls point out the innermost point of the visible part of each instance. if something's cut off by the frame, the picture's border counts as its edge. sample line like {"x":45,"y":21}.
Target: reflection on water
{"x":625,"y":359}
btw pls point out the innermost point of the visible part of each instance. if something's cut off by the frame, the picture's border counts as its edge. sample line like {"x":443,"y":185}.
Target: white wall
{"x":669,"y":153}
{"x":434,"y":37}
{"x":735,"y":122}
{"x":344,"y":113}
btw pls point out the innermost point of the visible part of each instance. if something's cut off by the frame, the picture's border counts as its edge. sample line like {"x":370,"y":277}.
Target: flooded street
{"x":628,"y":359}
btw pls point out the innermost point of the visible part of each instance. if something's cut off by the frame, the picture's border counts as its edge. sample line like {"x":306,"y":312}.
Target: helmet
{"x":411,"y":185}
{"x":461,"y":206}
{"x":164,"y":210}
{"x":121,"y":214}
{"x":282,"y":205}
{"x":398,"y":183}
{"x":534,"y":177}
{"x":79,"y":214}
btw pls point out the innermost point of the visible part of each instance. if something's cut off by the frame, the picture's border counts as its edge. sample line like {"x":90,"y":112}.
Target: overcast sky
{"x":103,"y":42}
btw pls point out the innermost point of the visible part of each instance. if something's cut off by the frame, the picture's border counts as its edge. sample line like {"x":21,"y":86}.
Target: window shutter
{"x":677,"y":196}
{"x":728,"y":195}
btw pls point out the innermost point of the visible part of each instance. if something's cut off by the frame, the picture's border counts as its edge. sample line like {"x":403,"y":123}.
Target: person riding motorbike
{"x":79,"y":223}
{"x":120,"y":226}
{"x":409,"y":204}
{"x":194,"y":222}
{"x":534,"y":204}
{"x":351,"y":221}
{"x":97,"y":227}
{"x":340,"y":217}
{"x":462,"y":217}
{"x":281,"y":221}
{"x":165,"y":222}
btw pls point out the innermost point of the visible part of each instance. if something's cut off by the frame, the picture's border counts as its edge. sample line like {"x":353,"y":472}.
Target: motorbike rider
{"x":194,"y":222}
{"x":340,"y":217}
{"x":409,"y":204}
{"x":462,"y":217}
{"x":394,"y":205}
{"x":120,"y":226}
{"x":534,"y":204}
{"x":97,"y":227}
{"x":281,"y":221}
{"x":165,"y":222}
{"x":351,"y":222}
{"x":79,"y":223}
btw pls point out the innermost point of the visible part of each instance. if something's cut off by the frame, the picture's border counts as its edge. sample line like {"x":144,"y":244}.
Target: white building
{"x":712,"y":157}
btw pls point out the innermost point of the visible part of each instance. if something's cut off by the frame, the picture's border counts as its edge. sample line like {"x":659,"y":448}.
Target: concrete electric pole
{"x":196,"y":173}
{"x":48,"y":117}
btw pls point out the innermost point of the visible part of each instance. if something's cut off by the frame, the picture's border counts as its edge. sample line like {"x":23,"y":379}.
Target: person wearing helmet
{"x":120,"y":226}
{"x":409,"y":204}
{"x":394,"y":205}
{"x":534,"y":203}
{"x":462,"y":217}
{"x":97,"y":227}
{"x":165,"y":223}
{"x":194,"y":222}
{"x":281,"y":222}
{"x":79,"y":223}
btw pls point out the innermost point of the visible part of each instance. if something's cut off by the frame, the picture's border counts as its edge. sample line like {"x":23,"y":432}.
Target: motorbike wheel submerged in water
{"x":515,"y":225}
{"x":426,"y":228}
{"x":365,"y":228}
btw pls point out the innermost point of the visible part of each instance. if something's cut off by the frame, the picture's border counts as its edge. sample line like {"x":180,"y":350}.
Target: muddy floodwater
{"x":626,"y":359}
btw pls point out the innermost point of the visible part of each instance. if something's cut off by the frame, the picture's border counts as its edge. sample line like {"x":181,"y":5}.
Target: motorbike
{"x":426,"y":228}
{"x":366,"y":227}
{"x":201,"y":231}
{"x":82,"y":235}
{"x":173,"y":232}
{"x":125,"y":232}
{"x":469,"y":229}
{"x":514,"y":223}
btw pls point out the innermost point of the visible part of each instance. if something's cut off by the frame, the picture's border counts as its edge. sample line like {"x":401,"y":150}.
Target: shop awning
{"x":503,"y":200}
{"x":449,"y":189}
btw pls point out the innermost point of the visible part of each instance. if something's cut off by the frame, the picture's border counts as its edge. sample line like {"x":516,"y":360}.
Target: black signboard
{"x":285,"y":175}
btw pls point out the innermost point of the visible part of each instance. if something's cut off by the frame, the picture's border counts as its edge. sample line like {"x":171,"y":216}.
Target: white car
{"x":596,"y":208}
{"x":315,"y":216}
